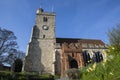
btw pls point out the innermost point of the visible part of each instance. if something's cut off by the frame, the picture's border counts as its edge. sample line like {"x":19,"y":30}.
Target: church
{"x":47,"y":54}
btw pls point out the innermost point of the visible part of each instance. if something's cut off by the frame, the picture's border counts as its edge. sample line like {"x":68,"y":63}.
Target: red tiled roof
{"x":75,"y":40}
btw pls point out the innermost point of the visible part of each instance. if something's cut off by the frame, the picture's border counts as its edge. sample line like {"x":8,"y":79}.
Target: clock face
{"x":45,"y":27}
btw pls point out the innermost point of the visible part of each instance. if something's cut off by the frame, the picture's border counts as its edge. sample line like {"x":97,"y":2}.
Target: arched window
{"x":98,"y":57}
{"x":45,"y":19}
{"x":43,"y":36}
{"x":73,"y":64}
{"x":86,"y":58}
{"x":101,"y":57}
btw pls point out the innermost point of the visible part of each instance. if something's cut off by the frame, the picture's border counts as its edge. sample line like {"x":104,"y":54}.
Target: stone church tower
{"x":41,"y":49}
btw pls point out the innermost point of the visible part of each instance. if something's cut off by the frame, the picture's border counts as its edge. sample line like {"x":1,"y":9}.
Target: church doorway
{"x":73,"y":64}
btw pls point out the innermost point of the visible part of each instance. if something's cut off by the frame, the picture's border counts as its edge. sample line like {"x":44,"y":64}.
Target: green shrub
{"x":17,"y":66}
{"x":106,"y":70}
{"x":6,"y":75}
{"x":73,"y":73}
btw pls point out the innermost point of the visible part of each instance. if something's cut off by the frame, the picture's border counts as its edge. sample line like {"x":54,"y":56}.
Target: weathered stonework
{"x":41,"y":49}
{"x":69,"y":53}
{"x":48,"y":54}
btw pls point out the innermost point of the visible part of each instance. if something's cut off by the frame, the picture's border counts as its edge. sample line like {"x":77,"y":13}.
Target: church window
{"x":98,"y":57}
{"x":45,"y":19}
{"x":43,"y":36}
{"x":73,"y":64}
{"x":101,"y":57}
{"x":72,"y":54}
{"x":86,"y":58}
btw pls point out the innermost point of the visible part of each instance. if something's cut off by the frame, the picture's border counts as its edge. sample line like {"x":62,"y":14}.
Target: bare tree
{"x":13,"y":56}
{"x":114,"y":36}
{"x":8,"y":42}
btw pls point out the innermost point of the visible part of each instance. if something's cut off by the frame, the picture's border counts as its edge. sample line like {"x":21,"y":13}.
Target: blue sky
{"x":89,"y":19}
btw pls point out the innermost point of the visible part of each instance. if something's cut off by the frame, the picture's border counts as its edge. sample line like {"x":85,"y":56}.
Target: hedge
{"x":5,"y":75}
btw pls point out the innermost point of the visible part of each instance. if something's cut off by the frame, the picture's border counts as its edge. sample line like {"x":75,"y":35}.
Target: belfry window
{"x":45,"y":19}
